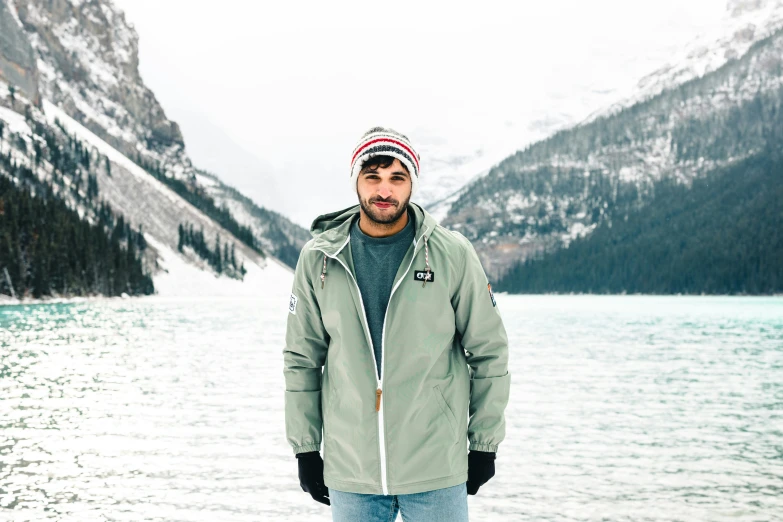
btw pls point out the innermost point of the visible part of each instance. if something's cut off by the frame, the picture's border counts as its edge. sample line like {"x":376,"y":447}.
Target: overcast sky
{"x":274,"y":95}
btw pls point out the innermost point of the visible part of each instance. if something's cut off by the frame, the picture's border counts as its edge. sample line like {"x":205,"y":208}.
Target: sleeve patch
{"x":491,"y":295}
{"x":292,"y":304}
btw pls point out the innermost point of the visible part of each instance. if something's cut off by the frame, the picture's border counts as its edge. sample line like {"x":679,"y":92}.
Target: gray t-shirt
{"x":376,"y":260}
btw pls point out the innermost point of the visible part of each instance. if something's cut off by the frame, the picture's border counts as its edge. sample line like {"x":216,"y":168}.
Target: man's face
{"x":384,"y":193}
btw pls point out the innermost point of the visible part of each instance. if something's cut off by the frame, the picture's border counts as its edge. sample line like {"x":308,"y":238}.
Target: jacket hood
{"x":331,"y":230}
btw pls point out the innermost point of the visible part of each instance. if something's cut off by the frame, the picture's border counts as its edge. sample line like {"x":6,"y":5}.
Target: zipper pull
{"x":426,"y":278}
{"x":378,"y":399}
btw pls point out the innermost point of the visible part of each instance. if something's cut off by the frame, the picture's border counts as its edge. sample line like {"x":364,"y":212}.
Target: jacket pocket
{"x":444,"y":406}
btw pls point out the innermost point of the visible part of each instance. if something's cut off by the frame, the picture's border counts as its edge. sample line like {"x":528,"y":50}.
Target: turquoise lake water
{"x":637,"y":408}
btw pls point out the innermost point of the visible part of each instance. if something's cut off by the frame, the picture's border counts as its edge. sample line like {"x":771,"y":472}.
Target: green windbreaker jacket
{"x":444,"y":365}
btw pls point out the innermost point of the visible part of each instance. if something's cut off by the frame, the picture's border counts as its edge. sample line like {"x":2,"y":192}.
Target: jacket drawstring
{"x":323,"y":272}
{"x":426,"y":261}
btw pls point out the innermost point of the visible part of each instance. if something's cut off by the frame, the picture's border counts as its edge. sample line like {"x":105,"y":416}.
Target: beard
{"x":383,"y":217}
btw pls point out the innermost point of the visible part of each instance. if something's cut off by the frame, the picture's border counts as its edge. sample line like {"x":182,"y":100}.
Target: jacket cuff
{"x":492,"y":448}
{"x":307,"y":447}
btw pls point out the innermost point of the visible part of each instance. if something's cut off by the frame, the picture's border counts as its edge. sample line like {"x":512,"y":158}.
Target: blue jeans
{"x":439,"y":505}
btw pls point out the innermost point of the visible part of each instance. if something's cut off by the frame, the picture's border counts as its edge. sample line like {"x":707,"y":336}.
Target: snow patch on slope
{"x":12,"y":11}
{"x":15,"y":122}
{"x":182,"y":279}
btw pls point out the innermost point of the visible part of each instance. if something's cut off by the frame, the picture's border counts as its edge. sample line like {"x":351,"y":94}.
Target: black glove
{"x":311,"y":476}
{"x":481,"y":468}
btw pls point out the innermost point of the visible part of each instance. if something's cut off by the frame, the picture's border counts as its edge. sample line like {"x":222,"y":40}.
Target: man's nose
{"x":384,"y":191}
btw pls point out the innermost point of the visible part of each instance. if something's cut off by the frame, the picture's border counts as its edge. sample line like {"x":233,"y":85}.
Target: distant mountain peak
{"x":744,"y":23}
{"x":738,"y":8}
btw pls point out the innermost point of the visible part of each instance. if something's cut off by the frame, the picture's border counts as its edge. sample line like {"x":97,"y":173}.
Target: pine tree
{"x":218,"y":263}
{"x":181,"y":242}
{"x":47,"y":248}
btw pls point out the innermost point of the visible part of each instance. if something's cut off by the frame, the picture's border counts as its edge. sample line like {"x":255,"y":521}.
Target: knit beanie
{"x":388,"y":142}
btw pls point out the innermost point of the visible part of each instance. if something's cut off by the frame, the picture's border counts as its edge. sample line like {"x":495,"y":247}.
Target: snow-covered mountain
{"x":564,"y":186}
{"x":87,"y":56}
{"x":744,"y":23}
{"x":453,"y":166}
{"x":69,"y":73}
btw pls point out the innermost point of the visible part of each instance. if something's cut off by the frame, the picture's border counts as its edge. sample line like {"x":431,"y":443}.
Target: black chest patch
{"x":423,"y":275}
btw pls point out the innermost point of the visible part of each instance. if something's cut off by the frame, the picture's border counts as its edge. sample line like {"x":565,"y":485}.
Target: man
{"x":396,"y":349}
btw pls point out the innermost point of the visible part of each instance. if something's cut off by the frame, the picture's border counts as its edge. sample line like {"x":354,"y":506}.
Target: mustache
{"x":381,"y":200}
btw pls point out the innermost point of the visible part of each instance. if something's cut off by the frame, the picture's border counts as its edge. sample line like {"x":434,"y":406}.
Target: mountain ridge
{"x":564,"y":186}
{"x":76,"y":47}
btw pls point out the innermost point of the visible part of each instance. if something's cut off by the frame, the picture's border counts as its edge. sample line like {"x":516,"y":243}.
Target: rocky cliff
{"x":18,"y":65}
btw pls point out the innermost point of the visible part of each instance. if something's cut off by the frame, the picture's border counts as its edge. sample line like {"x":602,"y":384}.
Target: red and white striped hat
{"x":388,"y":142}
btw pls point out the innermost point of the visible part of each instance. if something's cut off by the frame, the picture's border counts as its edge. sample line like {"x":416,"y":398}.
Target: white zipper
{"x":372,"y":353}
{"x":378,"y":380}
{"x":383,"y":370}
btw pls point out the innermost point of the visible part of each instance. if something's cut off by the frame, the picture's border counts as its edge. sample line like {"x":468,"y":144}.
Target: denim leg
{"x":439,"y":505}
{"x":358,"y":507}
